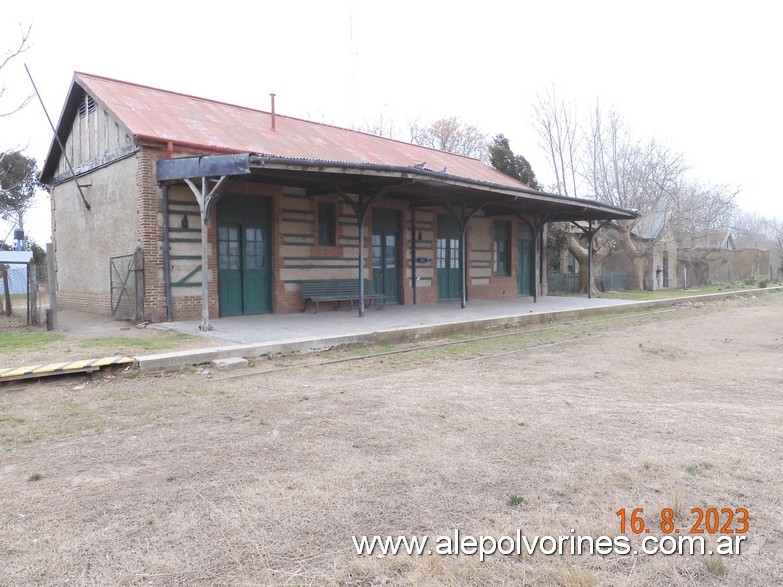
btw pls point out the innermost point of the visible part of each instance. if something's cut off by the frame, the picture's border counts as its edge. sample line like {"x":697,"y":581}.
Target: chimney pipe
{"x":272,"y":96}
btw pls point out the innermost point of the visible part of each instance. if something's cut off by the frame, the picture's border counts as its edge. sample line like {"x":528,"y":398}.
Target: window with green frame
{"x":502,"y":247}
{"x":327,"y":224}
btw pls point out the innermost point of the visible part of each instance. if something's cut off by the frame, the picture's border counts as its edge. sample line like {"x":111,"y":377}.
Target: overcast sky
{"x":703,"y":77}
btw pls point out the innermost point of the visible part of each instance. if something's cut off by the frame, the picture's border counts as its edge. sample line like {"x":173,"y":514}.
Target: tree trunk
{"x":634,"y":254}
{"x":7,"y":289}
{"x":637,"y":281}
{"x":581,"y":254}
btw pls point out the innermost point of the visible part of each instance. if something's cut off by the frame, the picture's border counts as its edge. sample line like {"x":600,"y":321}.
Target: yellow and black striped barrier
{"x":66,"y":368}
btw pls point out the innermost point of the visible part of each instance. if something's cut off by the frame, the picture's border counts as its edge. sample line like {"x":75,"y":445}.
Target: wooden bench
{"x":339,"y":290}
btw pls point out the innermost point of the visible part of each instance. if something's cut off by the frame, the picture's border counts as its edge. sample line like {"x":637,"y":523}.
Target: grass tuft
{"x":35,"y":477}
{"x":714,"y":565}
{"x":677,"y":508}
{"x":515,"y":500}
{"x":699,"y":469}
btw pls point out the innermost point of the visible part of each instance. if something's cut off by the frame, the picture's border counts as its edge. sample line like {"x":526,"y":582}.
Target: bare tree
{"x":560,"y":136}
{"x":6,"y":57}
{"x":602,"y":154}
{"x":625,"y":172}
{"x":699,"y":206}
{"x":751,"y":230}
{"x":576,"y":243}
{"x":776,"y":233}
{"x":380,"y":126}
{"x":452,"y":135}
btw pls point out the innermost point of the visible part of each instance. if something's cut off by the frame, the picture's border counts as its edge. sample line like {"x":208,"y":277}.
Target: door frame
{"x":522,"y":233}
{"x":387,"y":217}
{"x":448,"y":229}
{"x":246,"y":211}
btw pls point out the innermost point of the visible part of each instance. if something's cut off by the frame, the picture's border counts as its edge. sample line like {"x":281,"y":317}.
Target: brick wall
{"x":150,"y":234}
{"x":84,"y":302}
{"x":295,"y":254}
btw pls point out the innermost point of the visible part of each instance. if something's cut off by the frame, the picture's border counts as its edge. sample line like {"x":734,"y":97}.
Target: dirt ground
{"x":197,"y":478}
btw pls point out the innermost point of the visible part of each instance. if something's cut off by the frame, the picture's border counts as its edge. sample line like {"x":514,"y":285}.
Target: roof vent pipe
{"x":272,"y":96}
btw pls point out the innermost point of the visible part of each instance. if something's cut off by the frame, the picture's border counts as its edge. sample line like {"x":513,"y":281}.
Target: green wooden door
{"x":525,"y":261}
{"x":243,"y":269}
{"x":244,"y":255}
{"x":449,"y":259}
{"x":229,"y":269}
{"x":385,"y":253}
{"x":255,"y":270}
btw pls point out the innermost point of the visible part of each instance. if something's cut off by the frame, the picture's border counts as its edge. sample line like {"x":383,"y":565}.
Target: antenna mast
{"x":57,"y":138}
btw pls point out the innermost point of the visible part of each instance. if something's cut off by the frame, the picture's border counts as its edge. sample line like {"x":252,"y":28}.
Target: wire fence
{"x":562,"y":283}
{"x":126,"y":274}
{"x":615,"y":281}
{"x":568,"y":283}
{"x":23,"y":291}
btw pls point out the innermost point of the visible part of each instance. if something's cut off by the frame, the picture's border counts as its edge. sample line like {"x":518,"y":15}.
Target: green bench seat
{"x":339,"y":290}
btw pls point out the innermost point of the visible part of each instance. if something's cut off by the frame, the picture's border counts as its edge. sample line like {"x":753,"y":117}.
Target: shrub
{"x":515,"y":500}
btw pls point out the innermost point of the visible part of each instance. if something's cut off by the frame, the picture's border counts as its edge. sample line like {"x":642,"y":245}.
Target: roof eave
{"x":427,"y":176}
{"x":71,"y":105}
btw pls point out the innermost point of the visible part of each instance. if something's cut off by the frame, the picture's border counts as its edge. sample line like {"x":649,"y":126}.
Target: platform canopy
{"x":419,"y":187}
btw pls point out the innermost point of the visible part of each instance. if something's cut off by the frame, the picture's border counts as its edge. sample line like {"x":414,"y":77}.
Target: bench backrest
{"x":337,"y":287}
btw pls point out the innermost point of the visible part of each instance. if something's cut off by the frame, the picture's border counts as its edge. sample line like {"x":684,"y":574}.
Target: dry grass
{"x":84,"y":336}
{"x":181,"y":479}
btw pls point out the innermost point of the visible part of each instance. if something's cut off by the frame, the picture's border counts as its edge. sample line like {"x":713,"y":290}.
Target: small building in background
{"x":711,"y":256}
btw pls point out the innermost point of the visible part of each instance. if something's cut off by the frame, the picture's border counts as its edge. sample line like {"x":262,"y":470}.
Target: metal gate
{"x":126,"y":274}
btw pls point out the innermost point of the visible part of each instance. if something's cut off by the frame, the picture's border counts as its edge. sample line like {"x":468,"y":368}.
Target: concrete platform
{"x":268,"y":334}
{"x":275,"y":328}
{"x":253,"y":336}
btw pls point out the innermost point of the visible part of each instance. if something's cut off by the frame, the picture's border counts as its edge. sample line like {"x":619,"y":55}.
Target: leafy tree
{"x":39,"y":256}
{"x":502,"y":158}
{"x":18,"y":185}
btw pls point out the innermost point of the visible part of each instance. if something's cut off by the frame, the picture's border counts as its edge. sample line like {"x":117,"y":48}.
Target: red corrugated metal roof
{"x":156,"y":114}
